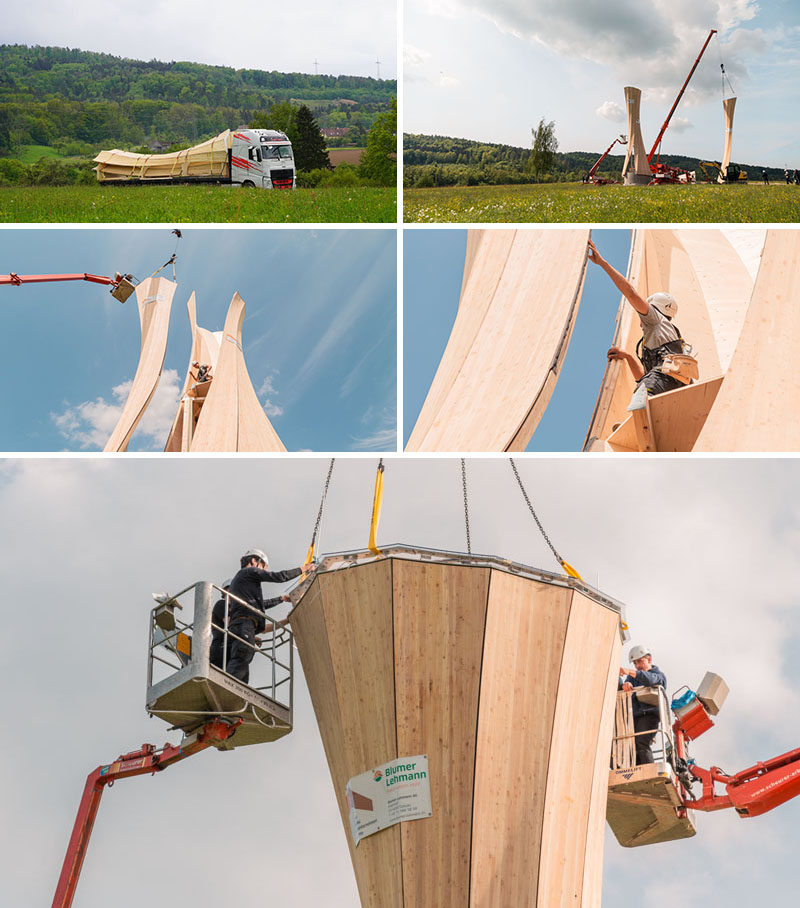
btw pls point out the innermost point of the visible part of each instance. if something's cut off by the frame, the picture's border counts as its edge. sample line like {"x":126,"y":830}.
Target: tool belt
{"x":672,"y":358}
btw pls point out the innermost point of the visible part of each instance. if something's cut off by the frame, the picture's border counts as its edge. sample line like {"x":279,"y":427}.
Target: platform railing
{"x":623,"y":750}
{"x":175,"y":640}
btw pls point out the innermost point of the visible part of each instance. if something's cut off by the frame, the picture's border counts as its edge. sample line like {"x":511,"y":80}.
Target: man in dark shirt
{"x":245,"y":621}
{"x":645,"y":715}
{"x":218,"y":626}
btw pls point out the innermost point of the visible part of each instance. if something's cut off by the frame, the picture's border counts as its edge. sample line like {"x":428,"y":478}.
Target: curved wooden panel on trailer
{"x":208,"y":159}
{"x":505,"y":677}
{"x":205,"y":349}
{"x":154,"y":298}
{"x":518,"y":307}
{"x":231,"y":418}
{"x":758,"y":406}
{"x":706,"y":274}
{"x":636,"y":150}
{"x":728,"y":105}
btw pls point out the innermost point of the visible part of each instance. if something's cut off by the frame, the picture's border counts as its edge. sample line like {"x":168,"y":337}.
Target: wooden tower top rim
{"x":338,"y":561}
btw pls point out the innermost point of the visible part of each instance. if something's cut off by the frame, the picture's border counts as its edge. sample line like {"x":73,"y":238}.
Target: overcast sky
{"x":488,"y":71}
{"x":346,"y":38}
{"x":710,"y":579}
{"x":318,"y":335}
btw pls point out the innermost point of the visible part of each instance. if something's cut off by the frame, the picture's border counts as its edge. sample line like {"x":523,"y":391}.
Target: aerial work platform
{"x":184,"y":689}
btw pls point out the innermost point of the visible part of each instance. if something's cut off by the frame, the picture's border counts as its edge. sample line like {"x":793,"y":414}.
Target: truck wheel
{"x":248,"y":184}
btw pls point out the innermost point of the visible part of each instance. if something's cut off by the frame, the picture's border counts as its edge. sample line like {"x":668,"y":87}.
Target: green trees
{"x":378,"y":163}
{"x":310,"y":152}
{"x":544,"y":150}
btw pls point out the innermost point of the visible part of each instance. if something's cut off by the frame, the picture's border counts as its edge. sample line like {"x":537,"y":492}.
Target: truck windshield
{"x":277,"y":151}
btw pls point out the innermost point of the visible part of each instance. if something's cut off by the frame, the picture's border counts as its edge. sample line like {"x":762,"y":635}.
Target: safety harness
{"x":672,"y":358}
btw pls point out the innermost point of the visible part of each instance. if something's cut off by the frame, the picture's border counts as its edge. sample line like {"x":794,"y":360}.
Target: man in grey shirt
{"x":659,"y":336}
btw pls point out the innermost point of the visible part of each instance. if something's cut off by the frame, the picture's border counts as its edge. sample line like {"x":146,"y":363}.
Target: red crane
{"x":145,"y":761}
{"x":665,"y":173}
{"x":590,"y":177}
{"x":121,"y":284}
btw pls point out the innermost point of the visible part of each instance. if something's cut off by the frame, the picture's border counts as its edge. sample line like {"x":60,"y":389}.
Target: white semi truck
{"x":260,"y":158}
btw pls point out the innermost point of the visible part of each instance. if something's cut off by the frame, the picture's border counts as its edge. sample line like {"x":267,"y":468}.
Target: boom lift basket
{"x":184,"y":689}
{"x":644,"y":802}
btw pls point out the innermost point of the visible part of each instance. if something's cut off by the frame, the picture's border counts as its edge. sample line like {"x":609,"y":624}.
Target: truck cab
{"x":262,"y":158}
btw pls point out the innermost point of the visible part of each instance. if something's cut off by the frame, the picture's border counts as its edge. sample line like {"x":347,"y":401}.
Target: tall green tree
{"x":281,"y":116}
{"x":379,"y":162}
{"x":545,"y":146}
{"x":310,"y":151}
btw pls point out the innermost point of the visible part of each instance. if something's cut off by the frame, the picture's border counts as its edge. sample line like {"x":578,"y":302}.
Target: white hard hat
{"x":664,"y":302}
{"x":637,"y":652}
{"x":256,"y":553}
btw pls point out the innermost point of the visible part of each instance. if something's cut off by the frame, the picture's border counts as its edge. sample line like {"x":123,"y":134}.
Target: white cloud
{"x":265,"y":394}
{"x":610,"y":110}
{"x":414,"y":56}
{"x":380,"y":426}
{"x":680,"y":124}
{"x":89,"y":424}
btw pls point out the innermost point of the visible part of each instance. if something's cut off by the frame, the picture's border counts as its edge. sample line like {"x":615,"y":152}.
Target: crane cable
{"x":310,"y":555}
{"x":466,"y":504}
{"x":722,"y":70}
{"x":571,"y":572}
{"x":377,"y":500}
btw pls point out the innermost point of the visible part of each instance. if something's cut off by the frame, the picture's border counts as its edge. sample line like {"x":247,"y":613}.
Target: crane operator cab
{"x":186,"y":690}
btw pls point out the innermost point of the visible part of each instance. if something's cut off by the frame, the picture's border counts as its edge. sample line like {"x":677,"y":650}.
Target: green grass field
{"x":30,"y":154}
{"x":195,"y":204}
{"x":577,"y":203}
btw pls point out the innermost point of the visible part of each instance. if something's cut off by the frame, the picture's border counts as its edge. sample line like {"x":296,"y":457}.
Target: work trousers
{"x":240,"y":655}
{"x":216,"y":650}
{"x":644,"y":743}
{"x":657,"y":382}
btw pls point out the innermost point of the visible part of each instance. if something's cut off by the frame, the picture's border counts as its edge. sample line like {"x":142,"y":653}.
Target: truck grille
{"x":282,"y":179}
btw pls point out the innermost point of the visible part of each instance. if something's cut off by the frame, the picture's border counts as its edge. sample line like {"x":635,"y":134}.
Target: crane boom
{"x":146,"y":760}
{"x":121,"y":286}
{"x":680,"y":95}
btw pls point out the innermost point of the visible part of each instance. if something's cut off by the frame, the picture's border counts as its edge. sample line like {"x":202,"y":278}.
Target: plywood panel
{"x":728,"y":105}
{"x":231,"y":418}
{"x":677,"y":417}
{"x":494,"y":383}
{"x":487,"y":254}
{"x":593,"y":862}
{"x":154,"y":298}
{"x":636,"y":149}
{"x":525,"y":630}
{"x":360,"y":703}
{"x":440,"y":613}
{"x":582,"y":692}
{"x":758,"y":406}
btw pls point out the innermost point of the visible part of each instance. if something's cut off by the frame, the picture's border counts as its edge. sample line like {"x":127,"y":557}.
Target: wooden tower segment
{"x":758,"y":405}
{"x":728,"y":105}
{"x":232,"y":419}
{"x":154,"y":298}
{"x":640,"y":173}
{"x":508,"y":343}
{"x":505,"y":678}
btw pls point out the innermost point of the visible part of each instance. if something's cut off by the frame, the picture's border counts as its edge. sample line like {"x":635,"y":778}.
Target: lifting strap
{"x":568,"y":569}
{"x":376,"y":510}
{"x":310,"y":555}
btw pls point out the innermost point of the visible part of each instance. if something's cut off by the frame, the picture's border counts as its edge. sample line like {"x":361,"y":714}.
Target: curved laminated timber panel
{"x":154,"y":298}
{"x":706,"y":273}
{"x":758,"y":406}
{"x":728,"y":106}
{"x":505,"y":678}
{"x":232,"y":419}
{"x":508,"y":343}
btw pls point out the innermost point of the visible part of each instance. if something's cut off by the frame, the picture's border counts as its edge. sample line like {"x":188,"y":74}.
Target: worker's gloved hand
{"x":616,"y":353}
{"x":309,"y":568}
{"x":627,"y":686}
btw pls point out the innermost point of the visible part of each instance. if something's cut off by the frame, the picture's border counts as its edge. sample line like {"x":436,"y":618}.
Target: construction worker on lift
{"x":245,"y":622}
{"x":645,"y":715}
{"x":218,"y":625}
{"x":660,"y":338}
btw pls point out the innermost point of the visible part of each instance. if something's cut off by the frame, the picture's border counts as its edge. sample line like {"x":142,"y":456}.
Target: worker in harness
{"x":246,"y":621}
{"x":218,"y":625}
{"x":645,"y":716}
{"x":661,"y":363}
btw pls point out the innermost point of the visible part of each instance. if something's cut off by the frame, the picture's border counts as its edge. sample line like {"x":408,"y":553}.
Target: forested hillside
{"x":77,"y":101}
{"x":446,"y":161}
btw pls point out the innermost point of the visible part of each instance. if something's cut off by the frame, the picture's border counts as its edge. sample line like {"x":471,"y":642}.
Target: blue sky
{"x":113,"y":530}
{"x":318,"y":336}
{"x":433,"y":265}
{"x":481,"y":70}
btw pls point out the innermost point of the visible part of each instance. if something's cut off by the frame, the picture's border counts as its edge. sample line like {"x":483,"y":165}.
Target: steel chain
{"x":559,"y":559}
{"x":466,"y":504}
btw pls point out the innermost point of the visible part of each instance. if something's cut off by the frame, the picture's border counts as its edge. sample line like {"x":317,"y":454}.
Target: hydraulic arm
{"x":121,"y":284}
{"x":146,"y":760}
